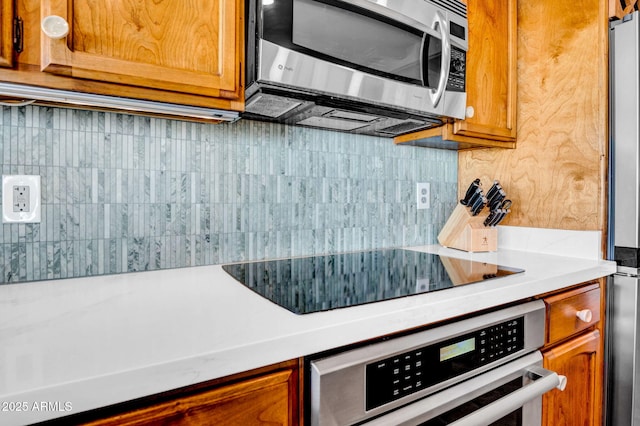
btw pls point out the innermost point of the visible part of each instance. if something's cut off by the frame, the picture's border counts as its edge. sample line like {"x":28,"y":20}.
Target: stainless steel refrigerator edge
{"x":623,"y":332}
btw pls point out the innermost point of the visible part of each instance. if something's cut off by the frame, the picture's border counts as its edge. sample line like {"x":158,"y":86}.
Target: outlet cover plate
{"x":423,"y":195}
{"x":32,"y":215}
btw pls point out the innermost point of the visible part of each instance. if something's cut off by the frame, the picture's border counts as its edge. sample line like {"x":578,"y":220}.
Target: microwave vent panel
{"x":405,"y":127}
{"x":270,"y":105}
{"x":332,"y":123}
{"x":348,"y":115}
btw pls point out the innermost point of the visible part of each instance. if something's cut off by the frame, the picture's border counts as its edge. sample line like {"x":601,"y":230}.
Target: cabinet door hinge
{"x":18,"y":30}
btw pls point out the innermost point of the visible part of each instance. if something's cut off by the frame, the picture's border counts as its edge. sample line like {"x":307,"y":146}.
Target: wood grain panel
{"x":556,"y":175}
{"x":180,"y":35}
{"x":491,"y":62}
{"x":29,"y":11}
{"x":262,"y":400}
{"x":580,"y":360}
{"x":562,"y":309}
{"x":179,"y":46}
{"x":107,"y":70}
{"x":6,"y":33}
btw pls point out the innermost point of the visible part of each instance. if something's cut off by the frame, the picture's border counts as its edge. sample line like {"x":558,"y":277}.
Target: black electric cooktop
{"x":319,"y":283}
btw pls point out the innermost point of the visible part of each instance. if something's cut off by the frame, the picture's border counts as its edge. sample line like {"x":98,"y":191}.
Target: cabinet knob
{"x":585,"y":315}
{"x":55,"y":27}
{"x":470,"y":112}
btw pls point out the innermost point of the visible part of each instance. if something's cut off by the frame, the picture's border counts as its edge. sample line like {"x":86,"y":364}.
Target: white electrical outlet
{"x":21,"y":199}
{"x":423,"y":194}
{"x":422,"y":285}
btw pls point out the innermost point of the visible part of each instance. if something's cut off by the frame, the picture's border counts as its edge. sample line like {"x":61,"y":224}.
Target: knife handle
{"x":502,"y":216}
{"x":495,"y":219}
{"x":478,"y":206}
{"x":475,"y":185}
{"x":495,"y":188}
{"x":497,"y":199}
{"x":489,"y":219}
{"x":474,"y":198}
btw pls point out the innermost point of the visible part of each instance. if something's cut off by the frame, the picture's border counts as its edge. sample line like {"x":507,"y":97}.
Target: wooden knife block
{"x":464,"y":231}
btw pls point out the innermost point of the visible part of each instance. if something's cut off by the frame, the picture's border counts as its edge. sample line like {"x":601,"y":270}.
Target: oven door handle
{"x":543,"y":381}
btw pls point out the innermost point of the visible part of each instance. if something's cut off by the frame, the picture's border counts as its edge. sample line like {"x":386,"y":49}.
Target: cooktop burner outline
{"x":332,"y":281}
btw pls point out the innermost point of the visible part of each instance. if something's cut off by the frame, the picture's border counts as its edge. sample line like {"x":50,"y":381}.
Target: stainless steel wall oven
{"x":482,"y":370}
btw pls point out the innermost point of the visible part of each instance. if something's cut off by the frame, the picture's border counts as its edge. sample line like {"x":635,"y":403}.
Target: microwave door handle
{"x":498,"y":409}
{"x":440,"y":24}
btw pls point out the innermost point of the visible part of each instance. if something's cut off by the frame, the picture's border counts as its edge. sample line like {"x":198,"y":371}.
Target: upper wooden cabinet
{"x":491,"y":80}
{"x":6,"y":33}
{"x":188,"y":53}
{"x":179,"y":46}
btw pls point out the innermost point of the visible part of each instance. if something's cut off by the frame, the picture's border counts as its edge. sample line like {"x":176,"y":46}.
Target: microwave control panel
{"x":457,"y":70}
{"x":395,"y":377}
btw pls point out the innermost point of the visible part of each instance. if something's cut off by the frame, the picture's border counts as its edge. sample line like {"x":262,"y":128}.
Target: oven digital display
{"x":457,"y":349}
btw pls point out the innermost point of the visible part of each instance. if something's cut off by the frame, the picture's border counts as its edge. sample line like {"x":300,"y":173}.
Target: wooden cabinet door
{"x":580,"y":360}
{"x":270,"y":399}
{"x":192,"y":47}
{"x":6,"y":33}
{"x":491,"y":71}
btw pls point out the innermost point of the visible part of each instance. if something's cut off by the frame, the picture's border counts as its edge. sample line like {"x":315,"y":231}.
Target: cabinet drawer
{"x":571,"y":312}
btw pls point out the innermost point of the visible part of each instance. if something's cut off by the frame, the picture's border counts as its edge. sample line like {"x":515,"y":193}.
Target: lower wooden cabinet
{"x":580,"y":360}
{"x":574,"y":348}
{"x":266,"y":399}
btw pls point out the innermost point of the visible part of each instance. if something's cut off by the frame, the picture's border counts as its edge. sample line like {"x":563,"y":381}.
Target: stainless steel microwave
{"x":383,"y":67}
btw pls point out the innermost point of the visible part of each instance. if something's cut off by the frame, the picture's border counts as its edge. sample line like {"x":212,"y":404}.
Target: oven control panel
{"x":400,"y":375}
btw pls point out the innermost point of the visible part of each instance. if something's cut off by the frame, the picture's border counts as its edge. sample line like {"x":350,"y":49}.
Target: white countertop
{"x":84,"y":343}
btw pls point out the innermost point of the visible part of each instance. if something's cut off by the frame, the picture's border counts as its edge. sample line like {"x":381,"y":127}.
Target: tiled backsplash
{"x":125,"y":193}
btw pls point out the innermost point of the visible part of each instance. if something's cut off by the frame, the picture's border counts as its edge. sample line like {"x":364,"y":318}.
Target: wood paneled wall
{"x":556,"y":176}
